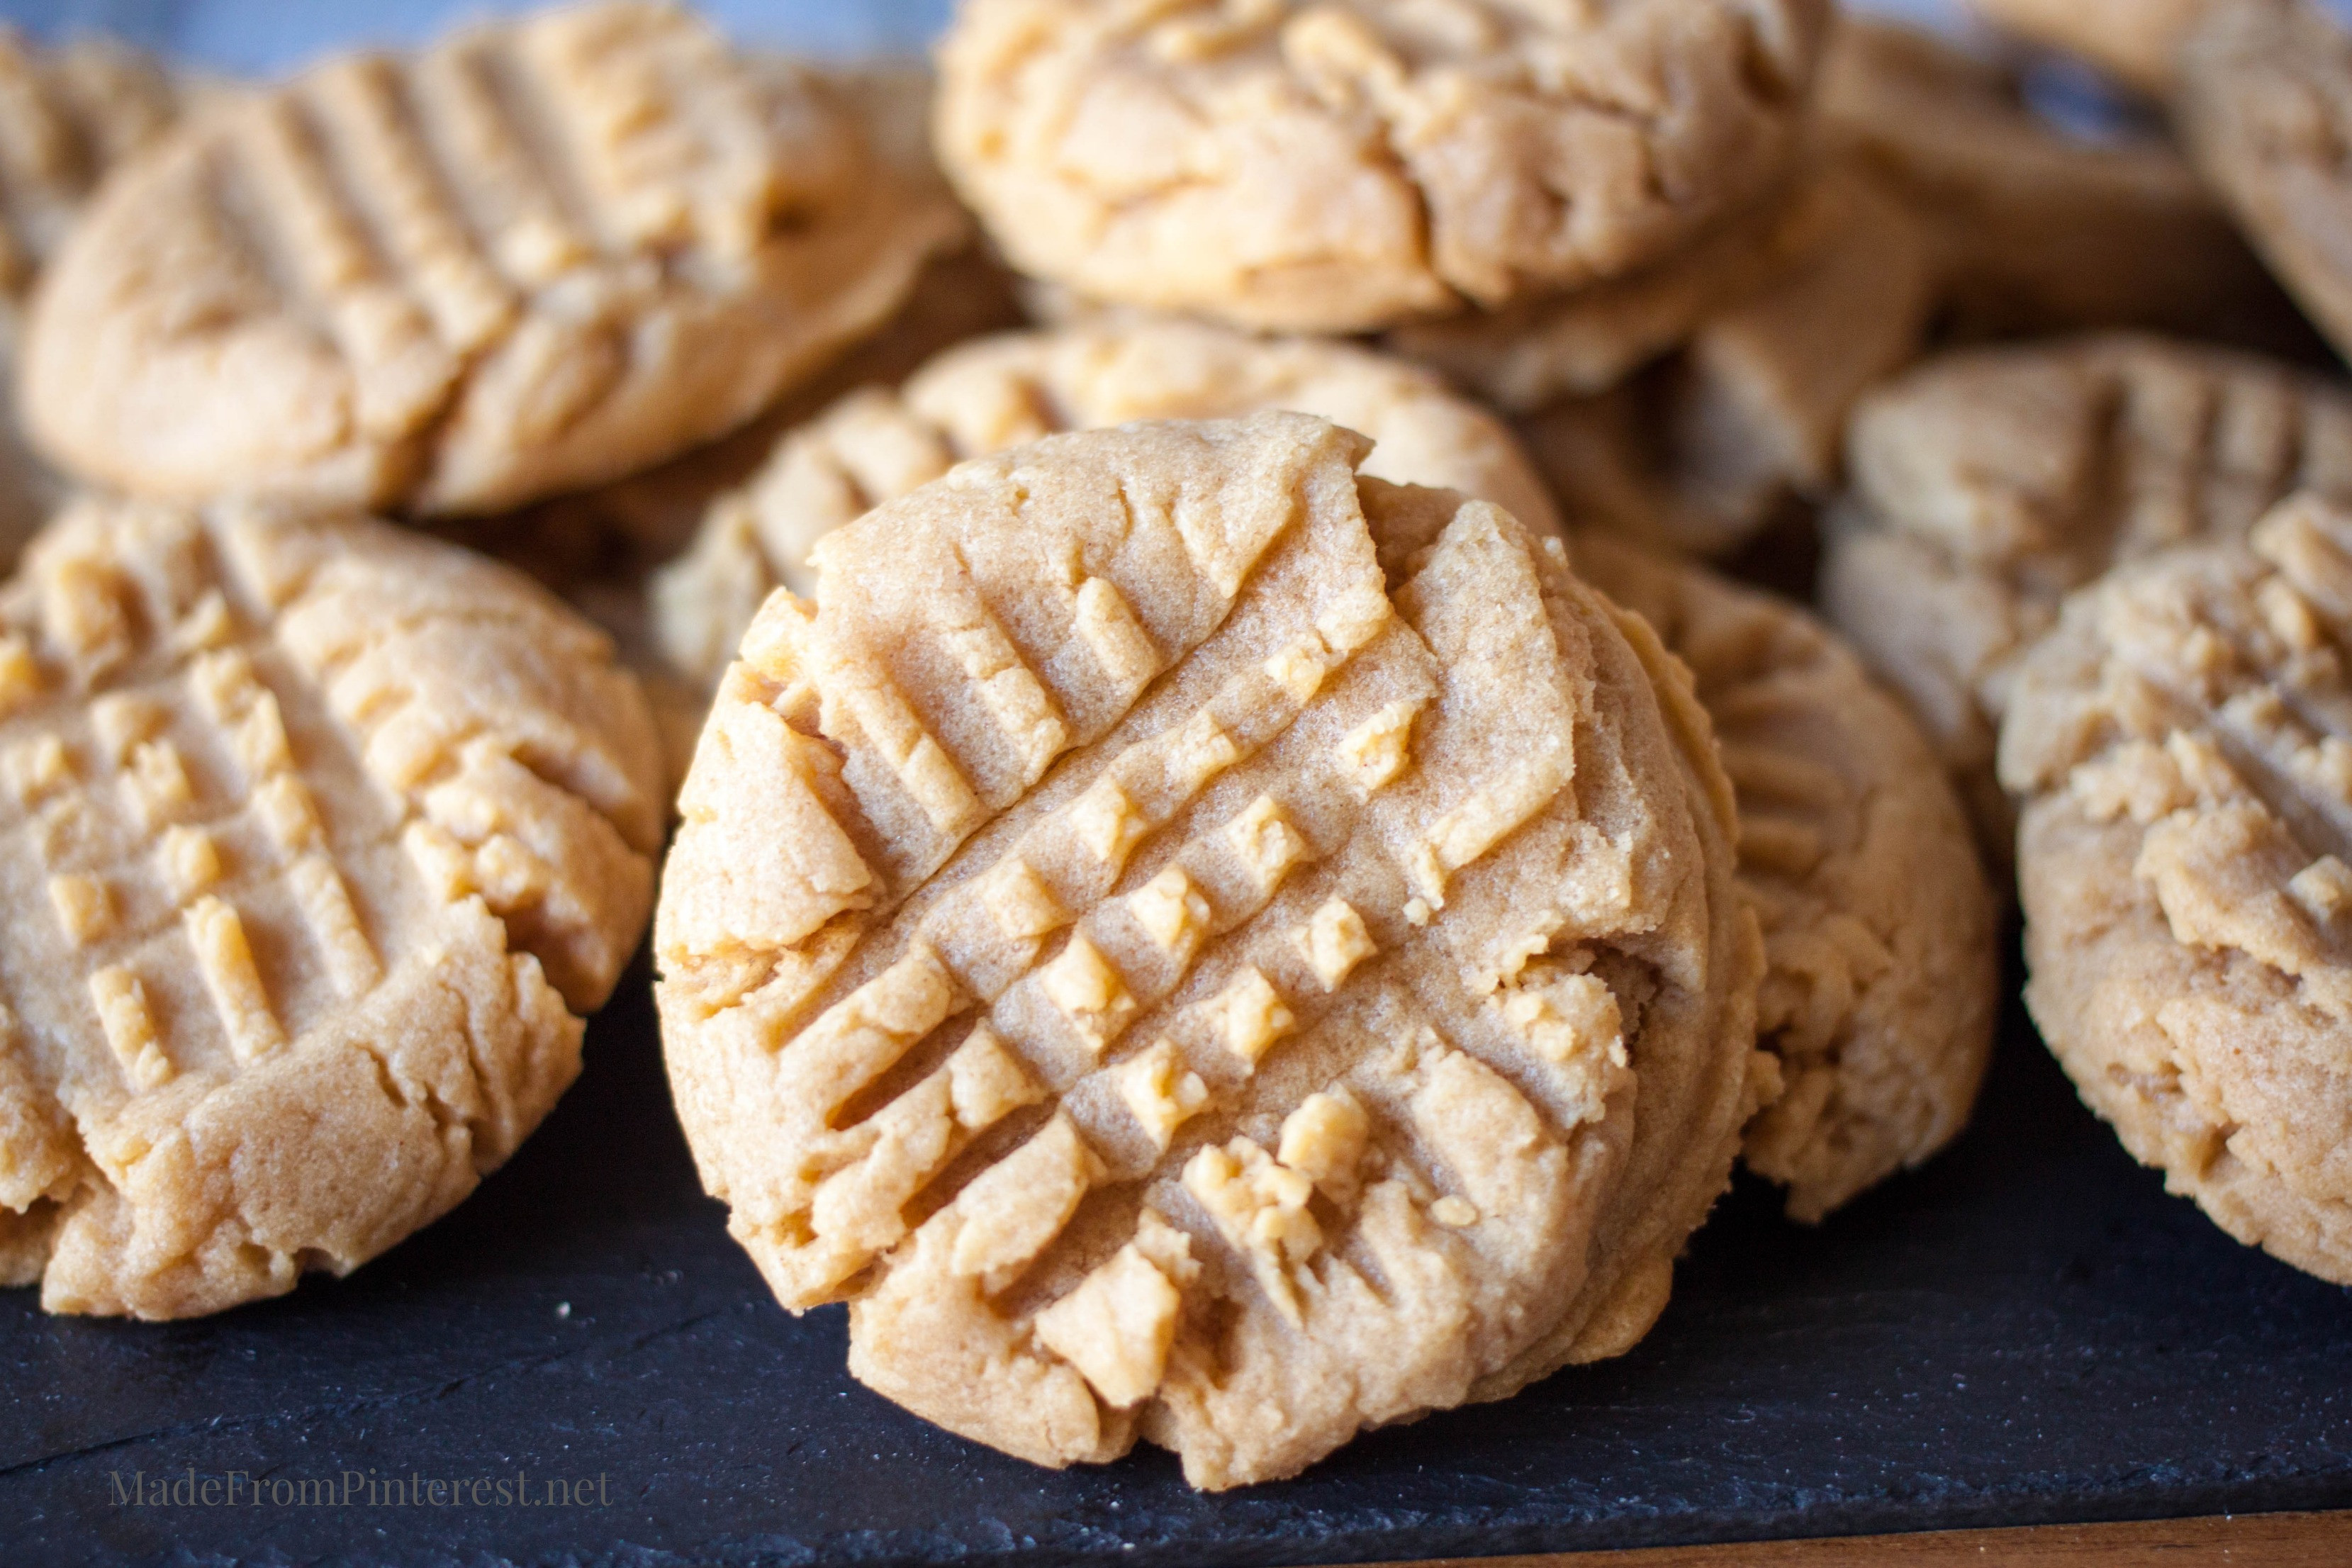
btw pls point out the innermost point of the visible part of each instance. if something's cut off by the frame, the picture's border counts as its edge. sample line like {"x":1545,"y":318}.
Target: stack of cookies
{"x":1234,"y":876}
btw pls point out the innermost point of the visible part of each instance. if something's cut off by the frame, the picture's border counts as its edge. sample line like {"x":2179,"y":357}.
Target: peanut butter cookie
{"x":318,"y":839}
{"x":2263,"y":100}
{"x":2036,"y":230}
{"x":982,"y":397}
{"x":539,"y":255}
{"x":1173,"y":989}
{"x":1340,"y":166}
{"x":1988,"y":483}
{"x":1881,"y":980}
{"x":2182,"y":748}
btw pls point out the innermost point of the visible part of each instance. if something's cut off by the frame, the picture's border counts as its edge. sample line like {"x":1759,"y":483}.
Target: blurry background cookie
{"x":2137,"y":40}
{"x":2182,"y":750}
{"x":1340,"y":167}
{"x":2037,"y":229}
{"x":1881,"y":979}
{"x":539,"y":255}
{"x":1304,"y":967}
{"x":1988,"y":483}
{"x":2263,"y":101}
{"x":319,"y":836}
{"x":1003,"y":391}
{"x":68,"y":115}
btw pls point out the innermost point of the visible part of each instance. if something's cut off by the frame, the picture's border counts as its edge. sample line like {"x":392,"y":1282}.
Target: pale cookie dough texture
{"x":2136,"y":40}
{"x":1987,"y":484}
{"x":1881,"y":982}
{"x":1344,"y":165}
{"x":983,"y":398}
{"x":1267,"y":1069}
{"x":2264,"y":102}
{"x":2182,"y":747}
{"x":318,"y":839}
{"x":538,"y":255}
{"x":2037,"y":230}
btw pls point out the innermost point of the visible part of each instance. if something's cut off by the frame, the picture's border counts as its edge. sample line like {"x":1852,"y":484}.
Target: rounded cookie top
{"x":539,"y":255}
{"x":1880,"y":989}
{"x":2181,"y":746}
{"x":1168,"y":985}
{"x":1000,"y":392}
{"x":1988,"y":483}
{"x":74,"y":111}
{"x":1341,"y":166}
{"x":2263,"y":100}
{"x":317,"y":836}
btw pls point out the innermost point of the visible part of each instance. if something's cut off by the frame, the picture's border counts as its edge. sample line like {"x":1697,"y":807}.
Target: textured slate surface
{"x":2028,"y":1330}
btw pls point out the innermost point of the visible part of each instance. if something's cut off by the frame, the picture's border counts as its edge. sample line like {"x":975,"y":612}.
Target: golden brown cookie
{"x":1342,"y":166}
{"x":2263,"y":101}
{"x":318,"y":837}
{"x":539,"y":255}
{"x":2036,"y":230}
{"x":1000,"y":392}
{"x":1988,"y":483}
{"x":2182,"y":747}
{"x":1171,"y":989}
{"x":1881,"y":981}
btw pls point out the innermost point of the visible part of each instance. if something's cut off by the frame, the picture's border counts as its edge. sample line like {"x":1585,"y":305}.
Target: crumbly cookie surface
{"x":1987,"y":484}
{"x":317,"y":837}
{"x":984,"y":396}
{"x":2183,"y":752}
{"x":2263,"y":100}
{"x":1174,"y":989}
{"x":1881,"y":979}
{"x":536,"y":256}
{"x":1342,"y":166}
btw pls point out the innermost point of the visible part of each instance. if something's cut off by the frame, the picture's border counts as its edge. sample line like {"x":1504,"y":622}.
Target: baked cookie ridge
{"x":1881,"y":982}
{"x":1987,"y":483}
{"x":1002,"y":390}
{"x":538,"y":254}
{"x":1259,"y":1069}
{"x":319,"y":838}
{"x":1342,"y":167}
{"x":2177,"y":748}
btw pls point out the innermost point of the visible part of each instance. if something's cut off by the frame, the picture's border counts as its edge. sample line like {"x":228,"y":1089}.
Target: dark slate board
{"x":2027,"y":1330}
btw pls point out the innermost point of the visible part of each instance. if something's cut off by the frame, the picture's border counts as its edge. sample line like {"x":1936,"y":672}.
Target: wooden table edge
{"x":2307,"y":1539}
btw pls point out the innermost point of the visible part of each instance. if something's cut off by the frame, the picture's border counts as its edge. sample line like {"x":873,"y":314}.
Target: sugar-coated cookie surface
{"x":1881,"y":981}
{"x":1002,"y":391}
{"x":2182,"y":748}
{"x":538,"y":254}
{"x":317,"y":836}
{"x":1988,"y":483}
{"x":1345,"y":165}
{"x":1174,"y":990}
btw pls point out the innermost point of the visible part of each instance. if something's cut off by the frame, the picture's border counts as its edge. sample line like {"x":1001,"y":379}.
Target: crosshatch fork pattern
{"x":273,"y":884}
